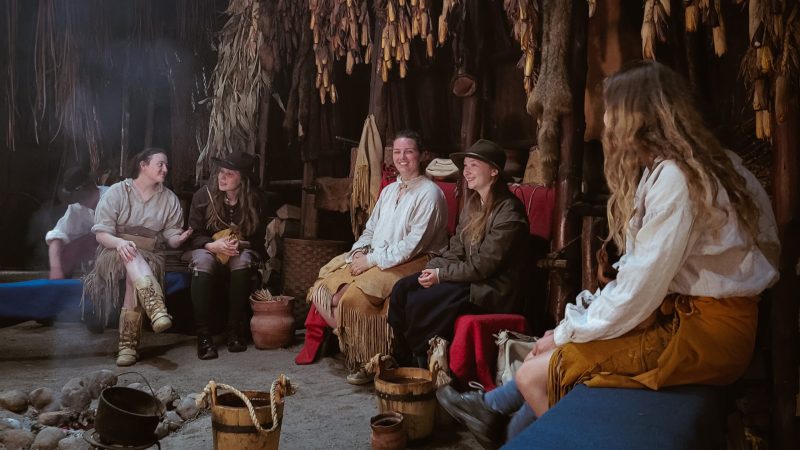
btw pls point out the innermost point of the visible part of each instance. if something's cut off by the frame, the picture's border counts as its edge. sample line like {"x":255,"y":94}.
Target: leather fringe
{"x":362,"y":336}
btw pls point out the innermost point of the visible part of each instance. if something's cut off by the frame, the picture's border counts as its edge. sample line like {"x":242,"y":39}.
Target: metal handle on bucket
{"x":152,"y":393}
{"x":280,"y":387}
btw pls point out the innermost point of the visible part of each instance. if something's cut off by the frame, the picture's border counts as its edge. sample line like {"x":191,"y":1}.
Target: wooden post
{"x":377,"y":88}
{"x":470,"y":121}
{"x":563,"y":283}
{"x":263,"y":135}
{"x":308,"y":212}
{"x":784,"y":307}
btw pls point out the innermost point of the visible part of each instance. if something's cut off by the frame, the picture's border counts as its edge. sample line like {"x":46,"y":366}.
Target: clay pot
{"x":272,"y":324}
{"x":387,"y":431}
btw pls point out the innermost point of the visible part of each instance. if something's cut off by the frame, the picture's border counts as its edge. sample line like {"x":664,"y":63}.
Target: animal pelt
{"x":333,"y":194}
{"x":551,"y":97}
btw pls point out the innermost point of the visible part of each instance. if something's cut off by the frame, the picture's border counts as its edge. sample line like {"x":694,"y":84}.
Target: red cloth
{"x":539,"y":202}
{"x":473,"y":353}
{"x":315,"y":336}
{"x":451,"y":198}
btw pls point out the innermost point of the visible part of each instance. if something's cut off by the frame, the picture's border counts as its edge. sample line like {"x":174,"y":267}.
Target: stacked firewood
{"x":405,"y":19}
{"x":524,"y":18}
{"x":341,"y":29}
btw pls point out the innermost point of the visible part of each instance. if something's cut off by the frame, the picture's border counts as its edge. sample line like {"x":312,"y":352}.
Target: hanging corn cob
{"x":447,"y":7}
{"x":524,"y":18}
{"x":789,"y":64}
{"x":711,"y":14}
{"x":281,"y":23}
{"x":655,"y":24}
{"x":405,"y":19}
{"x":341,"y":29}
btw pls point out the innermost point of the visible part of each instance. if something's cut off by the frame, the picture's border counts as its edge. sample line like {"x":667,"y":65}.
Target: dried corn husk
{"x":404,"y":20}
{"x":648,"y":31}
{"x":524,"y":18}
{"x":691,"y":17}
{"x":238,"y":82}
{"x":447,"y":8}
{"x":718,"y":33}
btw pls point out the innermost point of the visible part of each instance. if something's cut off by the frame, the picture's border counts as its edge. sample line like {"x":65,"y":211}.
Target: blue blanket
{"x":59,"y":299}
{"x":679,"y":418}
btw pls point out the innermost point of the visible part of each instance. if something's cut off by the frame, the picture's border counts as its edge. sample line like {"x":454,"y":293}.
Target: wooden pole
{"x":377,"y":88}
{"x":263,"y":135}
{"x":470,"y":121}
{"x":784,"y":307}
{"x":564,"y":283}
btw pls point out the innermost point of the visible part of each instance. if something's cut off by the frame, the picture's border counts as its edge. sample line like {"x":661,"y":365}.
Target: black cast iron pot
{"x":126,"y":416}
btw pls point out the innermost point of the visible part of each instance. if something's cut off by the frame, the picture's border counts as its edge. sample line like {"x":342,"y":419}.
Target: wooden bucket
{"x":233,"y":427}
{"x":409,"y":391}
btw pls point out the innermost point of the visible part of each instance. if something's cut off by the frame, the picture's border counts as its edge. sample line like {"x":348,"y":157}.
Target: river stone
{"x":56,"y":418}
{"x":187,"y":409}
{"x":173,"y":420}
{"x":162,"y":430}
{"x":14,"y":400}
{"x":167,"y":396}
{"x":41,"y":397}
{"x":16,"y":439}
{"x":100,"y":380}
{"x":75,"y":395}
{"x":47,"y":438}
{"x":73,"y":443}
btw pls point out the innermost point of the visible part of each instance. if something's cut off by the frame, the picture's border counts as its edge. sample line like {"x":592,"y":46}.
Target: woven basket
{"x":302,"y":259}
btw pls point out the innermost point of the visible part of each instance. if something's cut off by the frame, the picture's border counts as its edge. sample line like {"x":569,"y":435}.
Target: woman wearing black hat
{"x":228,"y":216}
{"x":481,"y":270}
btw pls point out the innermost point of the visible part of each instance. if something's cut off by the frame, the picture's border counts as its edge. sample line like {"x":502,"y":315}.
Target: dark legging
{"x":417,"y":314}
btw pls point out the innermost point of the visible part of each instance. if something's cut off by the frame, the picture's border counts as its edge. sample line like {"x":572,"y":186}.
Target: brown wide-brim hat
{"x":485,"y":150}
{"x":239,"y":161}
{"x":77,"y":185}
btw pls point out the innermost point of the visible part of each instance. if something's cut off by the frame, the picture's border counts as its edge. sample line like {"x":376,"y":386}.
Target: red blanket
{"x":473,"y":353}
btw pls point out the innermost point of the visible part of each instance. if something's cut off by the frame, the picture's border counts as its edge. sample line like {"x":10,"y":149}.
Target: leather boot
{"x":205,"y":347}
{"x":238,"y":295}
{"x":151,"y":297}
{"x":130,"y":330}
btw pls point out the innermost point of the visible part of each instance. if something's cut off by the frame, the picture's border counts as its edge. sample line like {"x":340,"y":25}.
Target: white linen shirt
{"x":669,"y":251}
{"x":77,"y":221}
{"x":397,"y":232}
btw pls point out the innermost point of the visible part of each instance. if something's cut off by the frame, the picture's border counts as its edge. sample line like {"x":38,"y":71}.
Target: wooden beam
{"x":564,"y":283}
{"x":784,"y":306}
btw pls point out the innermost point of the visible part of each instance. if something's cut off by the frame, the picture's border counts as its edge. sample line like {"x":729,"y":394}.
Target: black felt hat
{"x":77,"y":184}
{"x":240,"y":161}
{"x":486,"y":151}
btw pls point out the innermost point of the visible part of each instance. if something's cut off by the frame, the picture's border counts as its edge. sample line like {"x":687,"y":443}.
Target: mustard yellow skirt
{"x":690,"y":340}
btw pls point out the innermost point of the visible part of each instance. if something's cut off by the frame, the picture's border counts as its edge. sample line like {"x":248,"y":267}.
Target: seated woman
{"x":700,"y":245}
{"x":408,"y":221}
{"x":481,"y":271}
{"x":133,"y":219}
{"x":228,"y":216}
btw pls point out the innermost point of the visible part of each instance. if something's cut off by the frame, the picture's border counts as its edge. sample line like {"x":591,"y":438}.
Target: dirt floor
{"x":326,"y":412}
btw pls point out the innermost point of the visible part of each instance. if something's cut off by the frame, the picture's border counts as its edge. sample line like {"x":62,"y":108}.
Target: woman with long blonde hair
{"x":482,"y":270}
{"x":700,"y":244}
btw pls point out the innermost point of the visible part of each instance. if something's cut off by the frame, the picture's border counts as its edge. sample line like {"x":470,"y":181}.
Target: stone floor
{"x":325,"y":413}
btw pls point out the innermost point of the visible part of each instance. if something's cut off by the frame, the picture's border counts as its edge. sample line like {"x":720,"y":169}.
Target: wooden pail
{"x":409,"y":391}
{"x":233,"y":427}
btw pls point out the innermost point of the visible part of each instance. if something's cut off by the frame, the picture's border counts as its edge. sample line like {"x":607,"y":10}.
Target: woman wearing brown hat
{"x":133,"y":219}
{"x":228,"y":216}
{"x":480,"y":272}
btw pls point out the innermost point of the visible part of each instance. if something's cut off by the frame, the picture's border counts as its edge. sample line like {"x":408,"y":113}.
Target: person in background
{"x":228,"y":217}
{"x":482,"y":270}
{"x":408,"y":221}
{"x":134,"y":219}
{"x":700,"y":244}
{"x":71,"y":243}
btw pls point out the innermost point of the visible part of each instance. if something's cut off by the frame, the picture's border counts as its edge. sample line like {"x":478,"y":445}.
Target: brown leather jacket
{"x":495,"y":267}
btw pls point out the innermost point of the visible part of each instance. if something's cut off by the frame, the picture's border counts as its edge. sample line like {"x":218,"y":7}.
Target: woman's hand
{"x":126,"y":250}
{"x":428,"y":278}
{"x":543,"y":344}
{"x":224,"y":246}
{"x":359,"y":264}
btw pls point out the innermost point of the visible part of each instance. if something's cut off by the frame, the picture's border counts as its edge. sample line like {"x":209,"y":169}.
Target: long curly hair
{"x":650,"y":114}
{"x":247,"y":198}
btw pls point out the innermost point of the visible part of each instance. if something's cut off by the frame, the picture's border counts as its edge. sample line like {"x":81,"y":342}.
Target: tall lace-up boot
{"x":151,"y":297}
{"x":130,"y":330}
